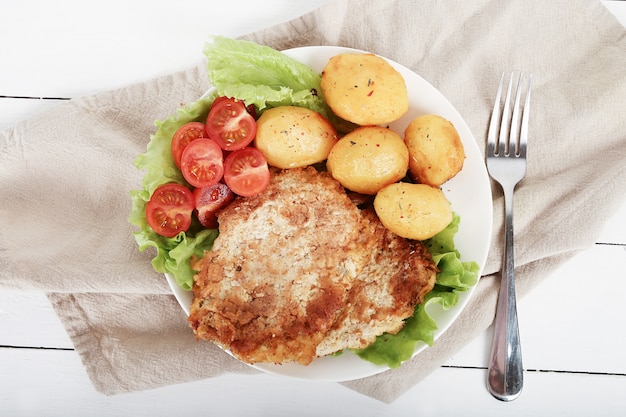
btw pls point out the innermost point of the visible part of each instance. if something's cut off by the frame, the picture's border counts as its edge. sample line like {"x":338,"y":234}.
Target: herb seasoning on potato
{"x":364,"y":89}
{"x":435,"y":149}
{"x":413,"y":211}
{"x":294,"y":137}
{"x":368,"y":158}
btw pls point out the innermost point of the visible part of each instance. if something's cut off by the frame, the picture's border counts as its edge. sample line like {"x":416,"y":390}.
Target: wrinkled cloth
{"x":74,"y":163}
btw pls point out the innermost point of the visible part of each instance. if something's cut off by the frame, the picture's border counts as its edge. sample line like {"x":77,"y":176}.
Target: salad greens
{"x":262,"y":76}
{"x":267,"y":78}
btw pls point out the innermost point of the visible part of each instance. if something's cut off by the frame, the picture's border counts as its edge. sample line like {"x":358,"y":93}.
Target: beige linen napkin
{"x":65,"y":174}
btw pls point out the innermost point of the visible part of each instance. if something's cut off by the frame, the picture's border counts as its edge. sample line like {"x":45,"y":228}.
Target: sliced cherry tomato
{"x":202,"y":163}
{"x":246,"y":172}
{"x":209,"y":201}
{"x":249,"y":108}
{"x":183,"y":136}
{"x":230,"y":125}
{"x":169,"y":210}
{"x":217,"y":100}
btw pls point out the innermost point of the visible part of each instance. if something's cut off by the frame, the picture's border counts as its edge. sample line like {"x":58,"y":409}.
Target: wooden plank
{"x":53,"y":383}
{"x":28,"y":320}
{"x":14,"y":110}
{"x":576,"y":317}
{"x":68,"y":49}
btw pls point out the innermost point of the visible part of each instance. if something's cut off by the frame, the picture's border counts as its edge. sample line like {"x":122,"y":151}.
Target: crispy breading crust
{"x":299,"y":271}
{"x":396,"y":278}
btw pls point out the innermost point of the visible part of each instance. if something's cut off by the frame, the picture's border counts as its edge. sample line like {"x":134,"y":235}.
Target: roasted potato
{"x":368,"y":158}
{"x":364,"y":89}
{"x":435,"y":150}
{"x":413,"y":211}
{"x":291,"y":137}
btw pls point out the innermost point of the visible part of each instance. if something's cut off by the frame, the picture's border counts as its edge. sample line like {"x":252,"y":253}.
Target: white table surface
{"x":573,"y":344}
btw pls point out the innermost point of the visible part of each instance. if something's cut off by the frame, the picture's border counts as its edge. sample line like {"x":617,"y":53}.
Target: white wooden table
{"x":573,"y":342}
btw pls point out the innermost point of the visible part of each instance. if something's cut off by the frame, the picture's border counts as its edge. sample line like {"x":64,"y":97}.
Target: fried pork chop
{"x":299,"y":271}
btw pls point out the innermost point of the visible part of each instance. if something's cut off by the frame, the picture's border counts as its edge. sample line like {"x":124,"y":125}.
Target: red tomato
{"x":230,"y":125}
{"x":183,"y":136}
{"x":246,"y":172}
{"x":217,"y":100}
{"x":209,"y":201}
{"x":202,"y":163}
{"x":169,"y":210}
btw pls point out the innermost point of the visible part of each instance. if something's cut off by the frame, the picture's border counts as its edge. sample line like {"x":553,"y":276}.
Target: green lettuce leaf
{"x":178,"y":258}
{"x":453,"y":277}
{"x":262,"y":76}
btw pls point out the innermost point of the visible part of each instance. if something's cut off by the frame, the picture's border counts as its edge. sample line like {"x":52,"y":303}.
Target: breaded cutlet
{"x":298,"y":271}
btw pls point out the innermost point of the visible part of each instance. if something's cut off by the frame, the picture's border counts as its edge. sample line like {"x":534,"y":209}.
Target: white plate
{"x":469,"y":193}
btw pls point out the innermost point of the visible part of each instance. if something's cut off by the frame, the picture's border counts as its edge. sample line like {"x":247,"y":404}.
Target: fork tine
{"x":492,"y":140}
{"x":519,"y":130}
{"x":515,"y":122}
{"x":505,"y":124}
{"x":511,"y":137}
{"x":523,"y":137}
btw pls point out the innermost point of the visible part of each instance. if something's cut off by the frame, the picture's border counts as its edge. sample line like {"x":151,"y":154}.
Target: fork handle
{"x":505,"y":375}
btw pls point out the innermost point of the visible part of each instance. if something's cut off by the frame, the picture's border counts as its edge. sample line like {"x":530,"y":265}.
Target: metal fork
{"x":506,"y":163}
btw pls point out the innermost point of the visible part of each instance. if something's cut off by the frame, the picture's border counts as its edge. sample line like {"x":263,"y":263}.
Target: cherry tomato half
{"x":202,"y":163}
{"x":217,"y":100}
{"x":246,"y":172}
{"x":183,"y":136}
{"x":169,"y":210}
{"x":209,"y":201}
{"x":230,"y":125}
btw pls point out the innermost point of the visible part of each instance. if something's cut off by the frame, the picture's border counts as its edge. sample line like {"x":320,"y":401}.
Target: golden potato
{"x":435,"y":150}
{"x":292,"y":137}
{"x":364,"y":89}
{"x":368,"y":158}
{"x":413,"y":211}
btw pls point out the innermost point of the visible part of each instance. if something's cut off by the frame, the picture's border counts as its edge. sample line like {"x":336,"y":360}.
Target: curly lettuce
{"x":262,"y":76}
